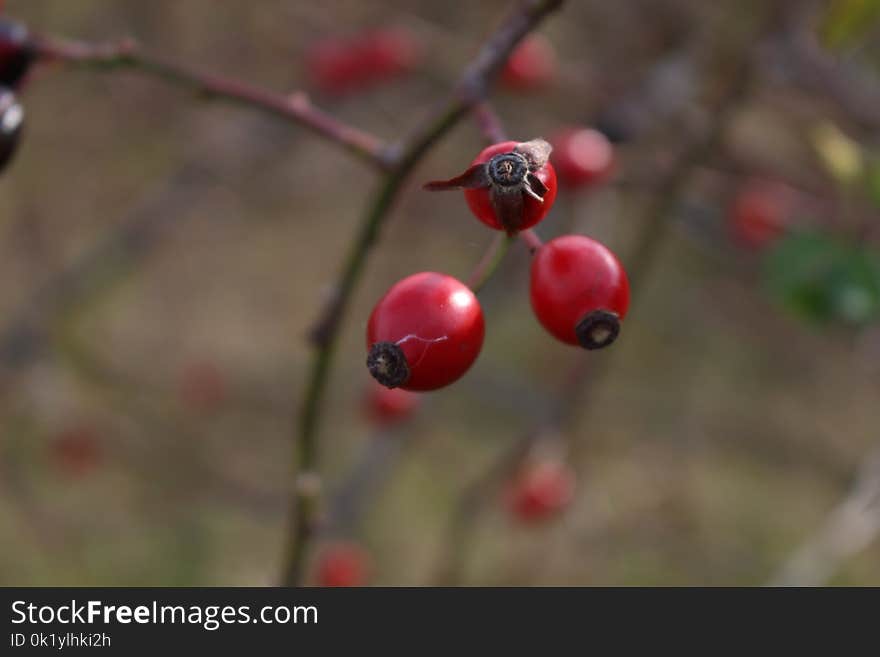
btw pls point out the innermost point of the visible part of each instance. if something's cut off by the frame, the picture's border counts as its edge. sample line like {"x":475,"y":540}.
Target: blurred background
{"x":162,"y":258}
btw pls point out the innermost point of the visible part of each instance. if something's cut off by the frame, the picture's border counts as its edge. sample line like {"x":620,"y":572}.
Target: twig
{"x":850,"y":527}
{"x":488,"y":264}
{"x":471,"y":89}
{"x":489,"y":123}
{"x":294,"y":107}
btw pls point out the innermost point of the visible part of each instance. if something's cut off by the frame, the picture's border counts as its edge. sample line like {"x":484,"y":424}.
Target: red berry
{"x":760,"y":213}
{"x":202,"y":387}
{"x":11,"y":123}
{"x":343,"y":564}
{"x":344,"y":65}
{"x":582,"y":156}
{"x":424,"y":333}
{"x":531,"y":65}
{"x":390,"y":52}
{"x":16,"y":52}
{"x":76,"y":450}
{"x":541,"y":490}
{"x":387,"y":406}
{"x":509,"y":186}
{"x":579,"y":291}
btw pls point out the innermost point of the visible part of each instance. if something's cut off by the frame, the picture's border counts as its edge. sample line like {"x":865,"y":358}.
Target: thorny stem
{"x":471,"y":89}
{"x":294,"y":107}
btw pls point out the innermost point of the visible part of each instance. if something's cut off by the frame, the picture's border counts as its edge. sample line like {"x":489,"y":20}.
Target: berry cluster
{"x":16,"y":56}
{"x":428,"y":329}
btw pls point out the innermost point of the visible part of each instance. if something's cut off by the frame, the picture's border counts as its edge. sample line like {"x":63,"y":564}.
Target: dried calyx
{"x":387,"y":364}
{"x":598,"y":329}
{"x":509,"y":177}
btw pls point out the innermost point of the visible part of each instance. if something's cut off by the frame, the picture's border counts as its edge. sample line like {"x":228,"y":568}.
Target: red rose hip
{"x":345,"y":65}
{"x":509,"y":186}
{"x":541,"y":490}
{"x":388,"y":406}
{"x":579,"y":291}
{"x":582,"y":156}
{"x":531,"y":65}
{"x":11,"y":124}
{"x":424,"y":333}
{"x":343,"y":564}
{"x":760,"y":213}
{"x":16,"y":53}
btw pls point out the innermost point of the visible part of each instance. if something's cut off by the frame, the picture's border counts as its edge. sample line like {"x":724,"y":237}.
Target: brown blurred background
{"x":722,"y":432}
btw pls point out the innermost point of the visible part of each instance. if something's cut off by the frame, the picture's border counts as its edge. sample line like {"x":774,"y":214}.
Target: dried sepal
{"x":476,"y":177}
{"x":537,"y":152}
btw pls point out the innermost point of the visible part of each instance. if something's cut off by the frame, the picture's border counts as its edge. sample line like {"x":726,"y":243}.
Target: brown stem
{"x":489,"y":123}
{"x":470,"y":90}
{"x":294,"y":107}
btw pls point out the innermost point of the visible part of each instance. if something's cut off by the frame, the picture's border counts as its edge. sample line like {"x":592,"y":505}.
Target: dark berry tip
{"x":387,"y":364}
{"x":598,"y":329}
{"x":508,"y":169}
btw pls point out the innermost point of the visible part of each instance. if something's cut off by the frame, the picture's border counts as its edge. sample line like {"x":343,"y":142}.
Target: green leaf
{"x":824,"y":280}
{"x":848,"y":20}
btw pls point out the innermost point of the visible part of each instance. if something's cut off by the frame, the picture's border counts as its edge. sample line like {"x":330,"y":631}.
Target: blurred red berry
{"x":203,"y":387}
{"x":541,"y":490}
{"x":582,"y":156}
{"x":343,"y":564}
{"x":760,"y":213}
{"x":386,"y":406}
{"x":390,"y":52}
{"x":344,"y":65}
{"x":76,"y":450}
{"x":531,"y":65}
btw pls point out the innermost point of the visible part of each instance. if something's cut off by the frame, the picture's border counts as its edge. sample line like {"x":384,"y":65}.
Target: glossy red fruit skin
{"x":572,"y":276}
{"x":479,"y":200}
{"x":436,"y":321}
{"x":11,"y":126}
{"x":343,"y":564}
{"x":541,"y":491}
{"x":532,"y":65}
{"x":76,"y":451}
{"x":582,"y":156}
{"x":760,"y":214}
{"x":389,"y":406}
{"x":16,"y":53}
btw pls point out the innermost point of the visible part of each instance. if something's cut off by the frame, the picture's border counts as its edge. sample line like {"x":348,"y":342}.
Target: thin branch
{"x":489,"y":123}
{"x":294,"y":107}
{"x":850,"y":527}
{"x":489,"y":263}
{"x":471,"y":89}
